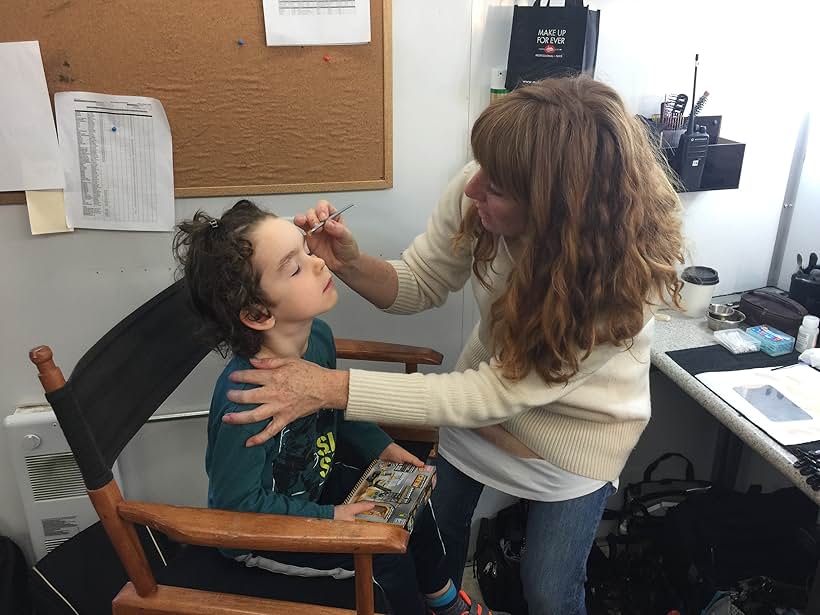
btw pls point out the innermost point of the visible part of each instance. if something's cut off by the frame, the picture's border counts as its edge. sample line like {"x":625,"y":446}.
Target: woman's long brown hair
{"x":604,"y":230}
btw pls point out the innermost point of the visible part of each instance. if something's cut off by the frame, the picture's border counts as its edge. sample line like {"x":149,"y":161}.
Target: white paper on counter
{"x":785,"y":402}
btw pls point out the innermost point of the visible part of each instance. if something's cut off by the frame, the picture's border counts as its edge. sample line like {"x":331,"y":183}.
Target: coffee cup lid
{"x":703,"y":276}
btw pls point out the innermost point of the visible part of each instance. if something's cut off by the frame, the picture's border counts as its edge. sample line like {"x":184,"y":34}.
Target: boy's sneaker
{"x":465,"y":606}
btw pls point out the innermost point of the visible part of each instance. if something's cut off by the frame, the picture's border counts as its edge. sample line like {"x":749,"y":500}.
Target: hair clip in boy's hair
{"x":213,"y":222}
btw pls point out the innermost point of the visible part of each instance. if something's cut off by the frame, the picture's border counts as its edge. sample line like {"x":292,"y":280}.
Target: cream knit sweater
{"x":588,"y":426}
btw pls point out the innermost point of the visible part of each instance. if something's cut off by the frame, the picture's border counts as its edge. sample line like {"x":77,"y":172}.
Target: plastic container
{"x":772,"y":341}
{"x":498,"y":76}
{"x":807,"y":334}
{"x":737,"y":341}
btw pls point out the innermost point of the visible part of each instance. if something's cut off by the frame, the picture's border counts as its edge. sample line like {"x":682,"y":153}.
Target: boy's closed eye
{"x":308,"y":252}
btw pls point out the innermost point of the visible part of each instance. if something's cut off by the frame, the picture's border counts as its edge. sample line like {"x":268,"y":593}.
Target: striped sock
{"x":443,"y":601}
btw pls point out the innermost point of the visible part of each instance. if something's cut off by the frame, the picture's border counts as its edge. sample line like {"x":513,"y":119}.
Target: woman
{"x":569,"y":229}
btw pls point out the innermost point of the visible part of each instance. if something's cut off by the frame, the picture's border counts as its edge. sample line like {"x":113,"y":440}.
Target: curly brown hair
{"x":214,"y":255}
{"x":604,"y":229}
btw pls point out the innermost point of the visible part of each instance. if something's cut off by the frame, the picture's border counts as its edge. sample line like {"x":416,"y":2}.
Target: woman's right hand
{"x":333,"y":243}
{"x":348,"y":512}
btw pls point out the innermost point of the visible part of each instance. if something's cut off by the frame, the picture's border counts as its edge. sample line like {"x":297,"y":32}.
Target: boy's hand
{"x":396,"y":453}
{"x":348,"y":512}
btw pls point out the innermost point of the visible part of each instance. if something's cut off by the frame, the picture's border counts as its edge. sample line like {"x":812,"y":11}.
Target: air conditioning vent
{"x":52,"y":543}
{"x":51,"y":487}
{"x":54,"y":476}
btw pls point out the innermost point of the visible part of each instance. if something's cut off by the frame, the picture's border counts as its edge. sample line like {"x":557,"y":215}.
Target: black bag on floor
{"x":630,"y":577}
{"x":499,"y":547}
{"x":714,"y":540}
{"x":552,"y":41}
{"x":647,"y":502}
{"x":14,"y":592}
{"x":758,"y":596}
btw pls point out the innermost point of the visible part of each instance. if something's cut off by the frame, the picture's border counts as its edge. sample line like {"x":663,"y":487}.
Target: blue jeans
{"x":559,"y":539}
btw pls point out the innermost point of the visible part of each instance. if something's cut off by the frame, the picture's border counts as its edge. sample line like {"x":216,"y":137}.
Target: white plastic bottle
{"x":807,"y":334}
{"x":498,"y":89}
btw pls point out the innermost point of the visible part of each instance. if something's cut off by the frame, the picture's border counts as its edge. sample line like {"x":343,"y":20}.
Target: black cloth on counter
{"x":716,"y":358}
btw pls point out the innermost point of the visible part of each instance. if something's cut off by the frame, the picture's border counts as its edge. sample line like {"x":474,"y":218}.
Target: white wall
{"x":68,"y":290}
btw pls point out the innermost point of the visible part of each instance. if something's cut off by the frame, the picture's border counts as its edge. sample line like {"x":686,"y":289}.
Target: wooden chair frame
{"x":232,"y":530}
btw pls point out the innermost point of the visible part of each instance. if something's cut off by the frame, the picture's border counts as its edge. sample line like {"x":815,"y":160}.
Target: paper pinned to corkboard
{"x":46,"y":212}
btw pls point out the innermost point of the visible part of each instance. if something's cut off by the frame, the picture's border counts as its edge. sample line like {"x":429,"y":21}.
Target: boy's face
{"x":298,"y":284}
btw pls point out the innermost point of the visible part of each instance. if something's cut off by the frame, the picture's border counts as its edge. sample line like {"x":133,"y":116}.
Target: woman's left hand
{"x":289,"y":389}
{"x":396,"y":453}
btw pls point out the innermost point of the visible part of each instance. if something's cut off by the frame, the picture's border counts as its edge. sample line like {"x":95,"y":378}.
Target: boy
{"x":258,"y":290}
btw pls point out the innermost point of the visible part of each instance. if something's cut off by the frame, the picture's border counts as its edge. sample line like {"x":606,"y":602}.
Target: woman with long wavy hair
{"x":569,"y":229}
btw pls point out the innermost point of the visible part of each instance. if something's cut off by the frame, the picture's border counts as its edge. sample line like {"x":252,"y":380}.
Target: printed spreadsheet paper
{"x":118,"y":161}
{"x":316,"y":22}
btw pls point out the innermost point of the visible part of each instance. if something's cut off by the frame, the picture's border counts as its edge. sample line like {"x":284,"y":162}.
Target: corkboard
{"x":245,"y":118}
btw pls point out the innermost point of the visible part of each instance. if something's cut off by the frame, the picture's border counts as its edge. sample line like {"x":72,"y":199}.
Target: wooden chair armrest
{"x":262,"y":532}
{"x":392,"y":353}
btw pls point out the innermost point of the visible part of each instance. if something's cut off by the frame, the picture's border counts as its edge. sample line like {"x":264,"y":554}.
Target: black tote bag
{"x":552,"y":41}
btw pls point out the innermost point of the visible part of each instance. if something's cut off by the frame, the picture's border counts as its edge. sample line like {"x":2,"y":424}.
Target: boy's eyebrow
{"x":289,"y":256}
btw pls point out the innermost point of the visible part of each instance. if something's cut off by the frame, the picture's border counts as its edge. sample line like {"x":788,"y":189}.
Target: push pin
{"x":113,"y":129}
{"x":327,"y":58}
{"x":240,"y":42}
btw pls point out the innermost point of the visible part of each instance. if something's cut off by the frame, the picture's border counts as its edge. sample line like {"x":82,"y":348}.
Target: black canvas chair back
{"x":122,"y":380}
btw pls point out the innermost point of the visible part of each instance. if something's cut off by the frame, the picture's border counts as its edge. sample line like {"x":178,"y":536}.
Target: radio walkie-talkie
{"x":692,"y":148}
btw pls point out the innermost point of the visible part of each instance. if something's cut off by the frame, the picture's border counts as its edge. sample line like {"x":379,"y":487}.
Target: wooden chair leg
{"x":364,"y":583}
{"x":124,"y":538}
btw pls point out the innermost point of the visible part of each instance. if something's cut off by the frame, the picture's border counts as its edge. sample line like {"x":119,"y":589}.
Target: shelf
{"x":724,"y":158}
{"x":724,"y":162}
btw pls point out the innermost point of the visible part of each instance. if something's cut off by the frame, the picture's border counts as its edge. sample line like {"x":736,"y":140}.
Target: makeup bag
{"x":766,"y":308}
